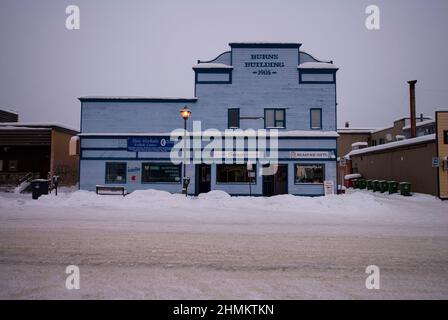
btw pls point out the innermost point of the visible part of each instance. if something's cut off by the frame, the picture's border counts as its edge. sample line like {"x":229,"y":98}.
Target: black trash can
{"x":39,"y":187}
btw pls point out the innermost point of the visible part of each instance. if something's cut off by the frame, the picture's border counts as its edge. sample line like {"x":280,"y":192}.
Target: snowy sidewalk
{"x":154,"y":245}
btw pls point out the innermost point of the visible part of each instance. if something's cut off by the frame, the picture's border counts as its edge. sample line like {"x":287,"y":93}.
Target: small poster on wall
{"x":328,"y":187}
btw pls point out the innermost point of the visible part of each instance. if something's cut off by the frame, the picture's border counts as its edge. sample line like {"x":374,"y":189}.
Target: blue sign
{"x":150,"y":144}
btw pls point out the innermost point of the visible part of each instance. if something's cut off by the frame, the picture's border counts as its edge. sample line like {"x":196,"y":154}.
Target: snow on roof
{"x":392,"y":145}
{"x":356,"y":144}
{"x":356,"y":130}
{"x":212,"y":66}
{"x":419,"y":124}
{"x":352,"y":176}
{"x":5,"y":128}
{"x":8,"y":110}
{"x":136,"y":98}
{"x":293,"y":133}
{"x":317,"y":65}
{"x":34,"y":125}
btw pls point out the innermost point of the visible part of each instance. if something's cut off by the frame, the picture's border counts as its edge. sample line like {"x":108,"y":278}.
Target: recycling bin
{"x":39,"y":187}
{"x":392,"y":186}
{"x":405,"y":189}
{"x":355,"y":184}
{"x":384,"y":186}
{"x":362,"y":184}
{"x":369,"y":184}
{"x":376,"y":185}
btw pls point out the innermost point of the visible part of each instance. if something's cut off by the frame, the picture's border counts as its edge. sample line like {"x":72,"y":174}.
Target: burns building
{"x":124,"y":141}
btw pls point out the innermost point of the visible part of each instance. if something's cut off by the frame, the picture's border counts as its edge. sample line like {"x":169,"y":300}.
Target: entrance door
{"x":276,"y":183}
{"x":203,"y":174}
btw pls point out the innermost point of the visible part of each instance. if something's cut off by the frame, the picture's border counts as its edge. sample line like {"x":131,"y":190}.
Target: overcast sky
{"x":147,"y":48}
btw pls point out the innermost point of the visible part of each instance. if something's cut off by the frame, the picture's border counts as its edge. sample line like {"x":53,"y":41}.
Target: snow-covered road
{"x":153,"y":245}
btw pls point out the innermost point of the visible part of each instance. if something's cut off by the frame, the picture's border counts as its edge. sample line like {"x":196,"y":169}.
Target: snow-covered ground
{"x":154,"y":245}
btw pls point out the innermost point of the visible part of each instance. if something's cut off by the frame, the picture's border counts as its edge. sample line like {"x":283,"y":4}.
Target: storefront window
{"x":309,"y":173}
{"x":160,"y":172}
{"x":115,"y":172}
{"x":233,"y":173}
{"x":274,"y":118}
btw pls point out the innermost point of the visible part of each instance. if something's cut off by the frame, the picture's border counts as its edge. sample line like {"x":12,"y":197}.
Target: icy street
{"x":154,"y":245}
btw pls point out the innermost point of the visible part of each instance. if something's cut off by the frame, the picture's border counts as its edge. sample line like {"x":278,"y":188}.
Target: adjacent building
{"x":393,"y":154}
{"x":124,"y":141}
{"x":30,"y":150}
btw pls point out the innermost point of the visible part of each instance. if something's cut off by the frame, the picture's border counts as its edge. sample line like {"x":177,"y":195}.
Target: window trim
{"x":125,"y":172}
{"x":275,"y":118}
{"x":228,"y":118}
{"x":309,"y":164}
{"x":254,"y":181}
{"x":161,"y":182}
{"x":311,"y":119}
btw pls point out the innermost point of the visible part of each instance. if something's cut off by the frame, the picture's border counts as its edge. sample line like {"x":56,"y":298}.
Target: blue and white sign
{"x":150,"y":144}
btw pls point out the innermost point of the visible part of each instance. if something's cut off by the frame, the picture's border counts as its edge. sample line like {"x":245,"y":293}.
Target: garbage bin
{"x":39,"y":187}
{"x":393,"y":186}
{"x":383,"y":186}
{"x":362,"y":183}
{"x":376,"y":185}
{"x":369,"y":184}
{"x":355,"y":183}
{"x":405,"y":189}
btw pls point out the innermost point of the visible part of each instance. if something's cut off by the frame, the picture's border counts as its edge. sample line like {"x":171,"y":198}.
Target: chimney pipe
{"x":412,"y":106}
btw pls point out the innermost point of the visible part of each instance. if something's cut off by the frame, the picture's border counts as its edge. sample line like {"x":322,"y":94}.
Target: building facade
{"x":31,"y":150}
{"x":125,"y":141}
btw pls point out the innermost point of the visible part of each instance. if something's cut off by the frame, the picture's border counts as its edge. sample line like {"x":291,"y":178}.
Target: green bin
{"x":405,"y":189}
{"x":355,"y":184}
{"x":369,"y":184}
{"x":376,"y":185}
{"x":383,"y":186}
{"x":393,"y":186}
{"x":362,"y":184}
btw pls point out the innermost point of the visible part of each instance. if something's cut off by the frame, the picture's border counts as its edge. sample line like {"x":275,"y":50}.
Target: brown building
{"x":36,"y":150}
{"x":422,"y":160}
{"x":442,"y":152}
{"x":408,"y":160}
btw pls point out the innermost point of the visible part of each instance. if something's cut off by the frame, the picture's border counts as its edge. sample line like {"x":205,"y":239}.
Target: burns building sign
{"x":265,"y":63}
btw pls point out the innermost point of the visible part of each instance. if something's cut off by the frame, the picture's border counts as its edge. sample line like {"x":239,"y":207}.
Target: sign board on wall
{"x":328,"y":187}
{"x":435,"y":162}
{"x":310,"y":154}
{"x":149,"y":144}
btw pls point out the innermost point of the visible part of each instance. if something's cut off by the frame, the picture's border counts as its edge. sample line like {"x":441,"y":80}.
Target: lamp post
{"x":185,"y":113}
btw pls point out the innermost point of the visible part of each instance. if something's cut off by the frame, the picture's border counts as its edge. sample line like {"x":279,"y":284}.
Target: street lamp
{"x":185,"y":113}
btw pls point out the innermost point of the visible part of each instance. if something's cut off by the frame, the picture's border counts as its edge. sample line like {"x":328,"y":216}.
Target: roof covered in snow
{"x":8,"y":110}
{"x":392,"y":145}
{"x":420,"y":124}
{"x":356,"y":130}
{"x":359,"y":143}
{"x":204,"y":65}
{"x":264,"y":44}
{"x":317,"y":65}
{"x":293,"y":133}
{"x":35,"y":126}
